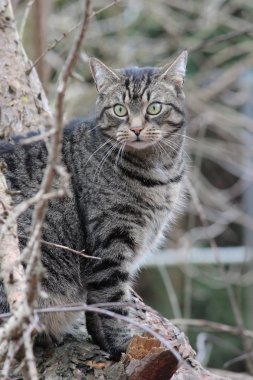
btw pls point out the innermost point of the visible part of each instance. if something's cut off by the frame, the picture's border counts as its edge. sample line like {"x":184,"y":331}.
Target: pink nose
{"x":136,"y":130}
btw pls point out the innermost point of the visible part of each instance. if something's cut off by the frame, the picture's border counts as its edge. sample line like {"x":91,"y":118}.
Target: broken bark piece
{"x":148,"y":360}
{"x":140,"y":346}
{"x":97,"y":365}
{"x":147,"y":316}
{"x":158,"y":364}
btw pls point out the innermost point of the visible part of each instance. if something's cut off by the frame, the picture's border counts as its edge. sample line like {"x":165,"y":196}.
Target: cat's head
{"x":140,"y":106}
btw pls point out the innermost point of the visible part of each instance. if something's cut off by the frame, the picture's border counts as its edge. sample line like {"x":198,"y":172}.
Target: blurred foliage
{"x":219,"y":37}
{"x":209,"y":301}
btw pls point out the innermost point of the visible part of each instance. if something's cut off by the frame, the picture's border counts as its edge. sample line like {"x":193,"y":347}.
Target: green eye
{"x":120,"y":110}
{"x":154,"y":108}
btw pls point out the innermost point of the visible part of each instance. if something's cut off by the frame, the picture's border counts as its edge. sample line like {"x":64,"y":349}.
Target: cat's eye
{"x":120,"y":110}
{"x":154,"y":108}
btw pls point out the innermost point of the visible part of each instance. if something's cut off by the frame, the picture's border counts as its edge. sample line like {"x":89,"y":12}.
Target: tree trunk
{"x":23,"y":102}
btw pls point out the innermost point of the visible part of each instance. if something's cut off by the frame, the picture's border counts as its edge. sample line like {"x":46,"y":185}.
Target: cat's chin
{"x":140,"y":144}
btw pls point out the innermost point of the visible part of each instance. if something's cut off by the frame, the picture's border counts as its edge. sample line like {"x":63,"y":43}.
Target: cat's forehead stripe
{"x":137,"y":82}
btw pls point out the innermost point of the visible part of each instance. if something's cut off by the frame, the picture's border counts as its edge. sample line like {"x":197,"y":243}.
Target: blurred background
{"x":205,"y":269}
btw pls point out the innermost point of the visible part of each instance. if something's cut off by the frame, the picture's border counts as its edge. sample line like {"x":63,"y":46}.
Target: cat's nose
{"x":137,"y":130}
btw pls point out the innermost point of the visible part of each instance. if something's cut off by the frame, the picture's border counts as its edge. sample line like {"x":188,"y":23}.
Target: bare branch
{"x":221,"y":38}
{"x":80,"y":253}
{"x":66,"y":73}
{"x":203,"y":323}
{"x":11,"y":268}
{"x":25,"y":17}
{"x":65,"y":34}
{"x":232,"y":299}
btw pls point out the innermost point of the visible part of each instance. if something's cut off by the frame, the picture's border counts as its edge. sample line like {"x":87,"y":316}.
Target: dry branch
{"x":67,"y":33}
{"x":11,"y":268}
{"x":210,"y":325}
{"x":230,"y":291}
{"x":64,"y":76}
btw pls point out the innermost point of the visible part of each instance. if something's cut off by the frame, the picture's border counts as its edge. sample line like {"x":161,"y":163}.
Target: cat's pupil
{"x":120,"y":110}
{"x":154,"y":108}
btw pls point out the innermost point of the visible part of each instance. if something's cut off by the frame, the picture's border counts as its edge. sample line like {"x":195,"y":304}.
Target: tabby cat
{"x":127,"y":182}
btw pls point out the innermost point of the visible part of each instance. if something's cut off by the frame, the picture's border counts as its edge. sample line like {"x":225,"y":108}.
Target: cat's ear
{"x":103,"y":75}
{"x":175,"y":72}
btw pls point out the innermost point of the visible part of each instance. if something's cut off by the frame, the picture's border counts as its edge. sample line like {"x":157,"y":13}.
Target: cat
{"x":127,"y":168}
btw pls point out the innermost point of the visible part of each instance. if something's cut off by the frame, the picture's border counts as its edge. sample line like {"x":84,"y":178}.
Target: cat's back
{"x":6,"y":148}
{"x":25,"y":158}
{"x":80,"y":138}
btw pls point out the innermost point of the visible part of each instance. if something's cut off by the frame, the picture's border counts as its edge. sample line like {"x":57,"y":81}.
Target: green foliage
{"x":148,"y":26}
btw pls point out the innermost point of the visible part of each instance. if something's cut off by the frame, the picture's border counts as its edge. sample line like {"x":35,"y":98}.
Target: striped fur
{"x":126,"y":189}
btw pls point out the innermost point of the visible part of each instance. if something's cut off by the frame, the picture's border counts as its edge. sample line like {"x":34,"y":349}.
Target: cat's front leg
{"x":110,"y":333}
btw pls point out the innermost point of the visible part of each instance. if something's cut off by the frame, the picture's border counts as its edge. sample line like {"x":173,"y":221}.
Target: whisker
{"x":117,"y":157}
{"x":173,"y":143}
{"x":101,"y":146}
{"x":175,"y":148}
{"x":190,"y":138}
{"x":158,"y":147}
{"x":99,"y":168}
{"x":166,"y":133}
{"x":163,"y":150}
{"x":122,"y":152}
{"x":92,"y":129}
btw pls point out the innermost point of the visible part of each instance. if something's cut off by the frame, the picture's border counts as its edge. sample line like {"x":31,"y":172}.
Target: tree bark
{"x":145,"y":359}
{"x":23,"y":103}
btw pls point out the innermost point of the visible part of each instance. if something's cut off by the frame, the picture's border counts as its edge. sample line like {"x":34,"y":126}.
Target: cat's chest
{"x":166,"y":202}
{"x":149,"y":238}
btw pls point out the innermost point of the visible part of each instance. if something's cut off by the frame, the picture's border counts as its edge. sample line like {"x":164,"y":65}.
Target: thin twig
{"x":235,"y":330}
{"x":230,"y":292}
{"x":80,"y":253}
{"x":221,"y":38}
{"x":25,"y":17}
{"x":28,"y":330}
{"x":171,"y":293}
{"x":39,"y":137}
{"x":131,"y":321}
{"x":65,"y":74}
{"x":8,"y":360}
{"x":12,"y":270}
{"x":66,"y":34}
{"x":38,"y":36}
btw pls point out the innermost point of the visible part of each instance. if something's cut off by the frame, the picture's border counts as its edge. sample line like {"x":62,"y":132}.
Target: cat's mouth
{"x":137,"y":140}
{"x":139,"y":143}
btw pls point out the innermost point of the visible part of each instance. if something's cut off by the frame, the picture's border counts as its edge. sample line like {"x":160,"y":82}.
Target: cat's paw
{"x":45,"y":340}
{"x":110,"y":334}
